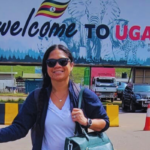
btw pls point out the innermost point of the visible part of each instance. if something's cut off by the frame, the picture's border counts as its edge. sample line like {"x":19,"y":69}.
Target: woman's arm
{"x":92,"y":109}
{"x":98,"y":124}
{"x":78,"y":116}
{"x":23,"y":121}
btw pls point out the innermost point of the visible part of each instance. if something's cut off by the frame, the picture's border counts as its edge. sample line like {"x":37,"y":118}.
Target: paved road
{"x":128,"y":136}
{"x":22,"y":144}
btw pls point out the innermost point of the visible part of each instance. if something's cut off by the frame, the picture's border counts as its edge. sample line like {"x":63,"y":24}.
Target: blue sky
{"x":136,"y":11}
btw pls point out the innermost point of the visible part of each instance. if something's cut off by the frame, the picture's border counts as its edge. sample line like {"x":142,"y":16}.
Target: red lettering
{"x":146,"y":33}
{"x":137,"y":34}
{"x":125,"y":30}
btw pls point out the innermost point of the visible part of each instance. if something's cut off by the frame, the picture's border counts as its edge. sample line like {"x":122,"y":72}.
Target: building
{"x":7,"y":81}
{"x":32,"y":81}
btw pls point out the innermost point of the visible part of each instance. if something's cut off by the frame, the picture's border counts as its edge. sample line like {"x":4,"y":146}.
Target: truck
{"x":103,"y":82}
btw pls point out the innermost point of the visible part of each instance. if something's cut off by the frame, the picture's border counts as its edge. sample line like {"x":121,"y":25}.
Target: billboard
{"x":97,"y":32}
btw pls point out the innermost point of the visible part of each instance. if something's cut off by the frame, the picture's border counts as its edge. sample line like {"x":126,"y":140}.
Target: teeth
{"x":58,"y":71}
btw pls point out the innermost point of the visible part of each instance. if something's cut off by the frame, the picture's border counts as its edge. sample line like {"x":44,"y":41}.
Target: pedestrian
{"x":51,"y":111}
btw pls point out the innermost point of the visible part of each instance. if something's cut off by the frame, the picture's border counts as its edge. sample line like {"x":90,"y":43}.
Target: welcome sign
{"x":97,"y":32}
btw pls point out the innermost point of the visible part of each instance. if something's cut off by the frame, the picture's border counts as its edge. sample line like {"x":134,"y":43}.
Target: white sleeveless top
{"x":58,"y":126}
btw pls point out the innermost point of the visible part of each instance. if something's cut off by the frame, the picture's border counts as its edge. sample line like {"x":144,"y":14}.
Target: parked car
{"x":136,"y":96}
{"x":120,"y":88}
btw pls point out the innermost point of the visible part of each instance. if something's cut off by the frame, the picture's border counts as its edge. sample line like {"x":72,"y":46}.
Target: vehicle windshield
{"x":141,"y":88}
{"x":105,"y":82}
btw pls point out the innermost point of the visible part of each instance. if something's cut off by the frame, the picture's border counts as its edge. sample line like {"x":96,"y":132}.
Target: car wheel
{"x":123,"y":105}
{"x":144,"y":109}
{"x":112,"y":100}
{"x":121,"y":96}
{"x":132,"y":107}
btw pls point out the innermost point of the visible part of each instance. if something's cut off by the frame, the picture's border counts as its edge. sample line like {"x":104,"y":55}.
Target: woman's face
{"x":58,"y":72}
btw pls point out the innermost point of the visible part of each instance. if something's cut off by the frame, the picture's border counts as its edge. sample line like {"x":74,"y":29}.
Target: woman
{"x":52,"y":111}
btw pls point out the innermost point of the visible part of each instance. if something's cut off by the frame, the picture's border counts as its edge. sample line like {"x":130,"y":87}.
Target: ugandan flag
{"x":52,"y":9}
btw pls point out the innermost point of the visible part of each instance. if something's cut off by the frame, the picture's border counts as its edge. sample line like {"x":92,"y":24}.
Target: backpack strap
{"x":79,"y":94}
{"x":77,"y":89}
{"x":78,"y":126}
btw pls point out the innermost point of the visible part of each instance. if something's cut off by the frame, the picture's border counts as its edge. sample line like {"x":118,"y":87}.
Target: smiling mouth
{"x":58,"y":71}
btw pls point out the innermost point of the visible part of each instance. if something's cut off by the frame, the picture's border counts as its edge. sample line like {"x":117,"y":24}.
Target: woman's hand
{"x":78,"y":116}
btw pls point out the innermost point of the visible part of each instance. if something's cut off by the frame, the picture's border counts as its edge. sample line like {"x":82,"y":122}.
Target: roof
{"x":32,"y":76}
{"x":8,"y":72}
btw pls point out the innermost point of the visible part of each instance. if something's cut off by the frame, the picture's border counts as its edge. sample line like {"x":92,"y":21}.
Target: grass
{"x":15,"y":95}
{"x":77,"y":73}
{"x":20,"y":101}
{"x":19,"y":69}
{"x":119,"y":71}
{"x":108,"y":102}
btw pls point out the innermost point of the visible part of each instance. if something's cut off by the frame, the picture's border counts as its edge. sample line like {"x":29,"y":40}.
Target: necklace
{"x":60,"y":99}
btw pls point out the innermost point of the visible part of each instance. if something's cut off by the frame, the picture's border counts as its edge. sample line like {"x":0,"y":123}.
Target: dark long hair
{"x":47,"y":79}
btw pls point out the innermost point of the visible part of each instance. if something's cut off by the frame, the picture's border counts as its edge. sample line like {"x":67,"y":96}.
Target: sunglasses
{"x":62,"y":61}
